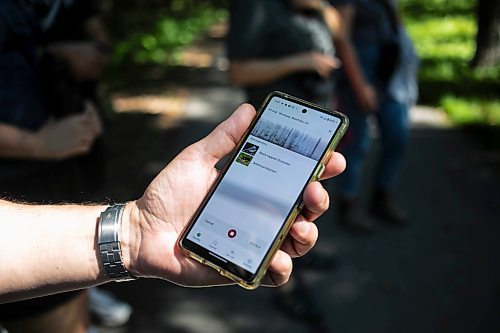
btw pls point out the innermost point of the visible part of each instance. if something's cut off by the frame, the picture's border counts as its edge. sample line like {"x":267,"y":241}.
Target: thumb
{"x":222,"y":140}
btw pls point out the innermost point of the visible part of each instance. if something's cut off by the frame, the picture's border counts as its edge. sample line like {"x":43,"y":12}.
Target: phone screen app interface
{"x":250,"y":205}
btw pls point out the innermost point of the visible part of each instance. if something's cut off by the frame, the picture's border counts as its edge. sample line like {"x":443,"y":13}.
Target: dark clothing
{"x":21,"y":101}
{"x":64,"y":94}
{"x":373,"y":31}
{"x":272,"y":29}
{"x":68,"y":23}
{"x":20,"y":98}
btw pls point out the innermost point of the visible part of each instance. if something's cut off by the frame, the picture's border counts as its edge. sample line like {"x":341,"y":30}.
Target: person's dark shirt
{"x":272,"y":29}
{"x":21,"y":102}
{"x":68,"y":23}
{"x":20,"y":99}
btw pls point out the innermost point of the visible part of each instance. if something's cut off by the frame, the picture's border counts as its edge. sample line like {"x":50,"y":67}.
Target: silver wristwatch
{"x":108,"y":237}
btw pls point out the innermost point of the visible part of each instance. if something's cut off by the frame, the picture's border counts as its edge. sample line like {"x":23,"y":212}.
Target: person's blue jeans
{"x":392,"y":120}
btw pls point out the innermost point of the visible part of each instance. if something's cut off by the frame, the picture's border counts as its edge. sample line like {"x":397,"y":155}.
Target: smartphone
{"x":251,"y":206}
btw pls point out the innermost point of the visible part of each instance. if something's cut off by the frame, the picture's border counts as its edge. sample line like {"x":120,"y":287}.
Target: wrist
{"x":294,"y":63}
{"x":130,"y":238}
{"x":34,"y":144}
{"x":114,"y":242}
{"x":360,"y":89}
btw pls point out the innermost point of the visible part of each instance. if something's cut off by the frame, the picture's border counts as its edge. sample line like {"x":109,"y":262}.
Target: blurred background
{"x":166,"y":86}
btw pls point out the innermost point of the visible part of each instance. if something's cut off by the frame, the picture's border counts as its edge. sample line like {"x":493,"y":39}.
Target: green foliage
{"x":444,"y":35}
{"x":467,"y":110}
{"x":172,"y":30}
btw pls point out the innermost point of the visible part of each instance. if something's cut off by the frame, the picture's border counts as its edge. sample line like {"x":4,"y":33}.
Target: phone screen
{"x":239,"y":222}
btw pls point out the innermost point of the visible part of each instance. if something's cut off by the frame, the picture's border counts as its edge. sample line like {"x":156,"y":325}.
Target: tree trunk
{"x":488,"y":34}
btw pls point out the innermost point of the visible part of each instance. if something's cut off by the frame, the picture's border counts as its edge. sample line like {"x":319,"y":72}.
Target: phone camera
{"x":304,"y":110}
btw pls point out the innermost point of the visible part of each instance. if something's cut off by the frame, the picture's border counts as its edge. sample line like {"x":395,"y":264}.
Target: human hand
{"x":151,"y":225}
{"x":367,"y":98}
{"x":314,"y":62}
{"x":308,"y":4}
{"x":68,"y":137}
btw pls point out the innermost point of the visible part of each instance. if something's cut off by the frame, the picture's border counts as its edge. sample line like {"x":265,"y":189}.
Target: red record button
{"x":231,"y":233}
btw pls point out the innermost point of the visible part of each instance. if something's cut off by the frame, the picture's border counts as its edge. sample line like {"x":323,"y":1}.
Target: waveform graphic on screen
{"x":290,"y":138}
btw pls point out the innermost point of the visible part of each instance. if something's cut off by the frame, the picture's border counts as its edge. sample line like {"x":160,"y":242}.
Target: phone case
{"x":295,"y":210}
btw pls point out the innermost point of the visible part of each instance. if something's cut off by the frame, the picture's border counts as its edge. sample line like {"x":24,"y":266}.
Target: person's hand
{"x":68,"y":137}
{"x":367,"y":98}
{"x":86,"y":61}
{"x":308,"y":4}
{"x":151,"y":225}
{"x":314,"y":62}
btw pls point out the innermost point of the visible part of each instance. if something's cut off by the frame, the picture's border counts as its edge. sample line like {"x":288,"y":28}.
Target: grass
{"x":444,"y":36}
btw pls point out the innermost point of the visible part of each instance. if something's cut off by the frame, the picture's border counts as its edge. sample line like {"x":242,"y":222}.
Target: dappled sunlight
{"x":205,"y":55}
{"x":427,"y":116}
{"x":172,"y":106}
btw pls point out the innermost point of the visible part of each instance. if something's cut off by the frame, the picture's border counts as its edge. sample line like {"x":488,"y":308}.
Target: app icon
{"x":250,"y":149}
{"x":244,"y":159}
{"x":247,"y":153}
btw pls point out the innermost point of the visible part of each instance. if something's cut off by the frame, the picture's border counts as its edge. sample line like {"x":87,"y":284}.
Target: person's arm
{"x":49,"y":249}
{"x":64,"y":138}
{"x":261,"y":71}
{"x":363,"y":91}
{"x":16,"y":142}
{"x":247,"y":43}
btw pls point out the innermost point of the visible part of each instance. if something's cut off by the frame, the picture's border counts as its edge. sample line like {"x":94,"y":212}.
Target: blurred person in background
{"x":77,"y":49}
{"x":379,"y":80}
{"x":38,"y":144}
{"x":283,"y":45}
{"x":286,"y":45}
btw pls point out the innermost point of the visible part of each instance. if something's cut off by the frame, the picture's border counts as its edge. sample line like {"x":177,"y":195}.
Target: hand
{"x":314,"y":62}
{"x":308,"y":4}
{"x":367,"y":98}
{"x":151,"y":225}
{"x":68,"y":137}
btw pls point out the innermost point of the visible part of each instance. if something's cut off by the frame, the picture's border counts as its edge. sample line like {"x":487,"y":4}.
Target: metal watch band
{"x":109,"y":243}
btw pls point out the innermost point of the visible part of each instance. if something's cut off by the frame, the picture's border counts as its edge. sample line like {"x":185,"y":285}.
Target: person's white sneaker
{"x":106,"y":309}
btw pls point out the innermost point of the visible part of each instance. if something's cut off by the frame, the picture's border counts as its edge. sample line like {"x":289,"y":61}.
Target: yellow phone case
{"x":316,"y":175}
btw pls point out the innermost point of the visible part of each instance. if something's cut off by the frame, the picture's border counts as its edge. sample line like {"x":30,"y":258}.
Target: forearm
{"x":47,"y":249}
{"x":256,"y":72}
{"x":351,"y":65}
{"x":16,"y":142}
{"x":346,"y":51}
